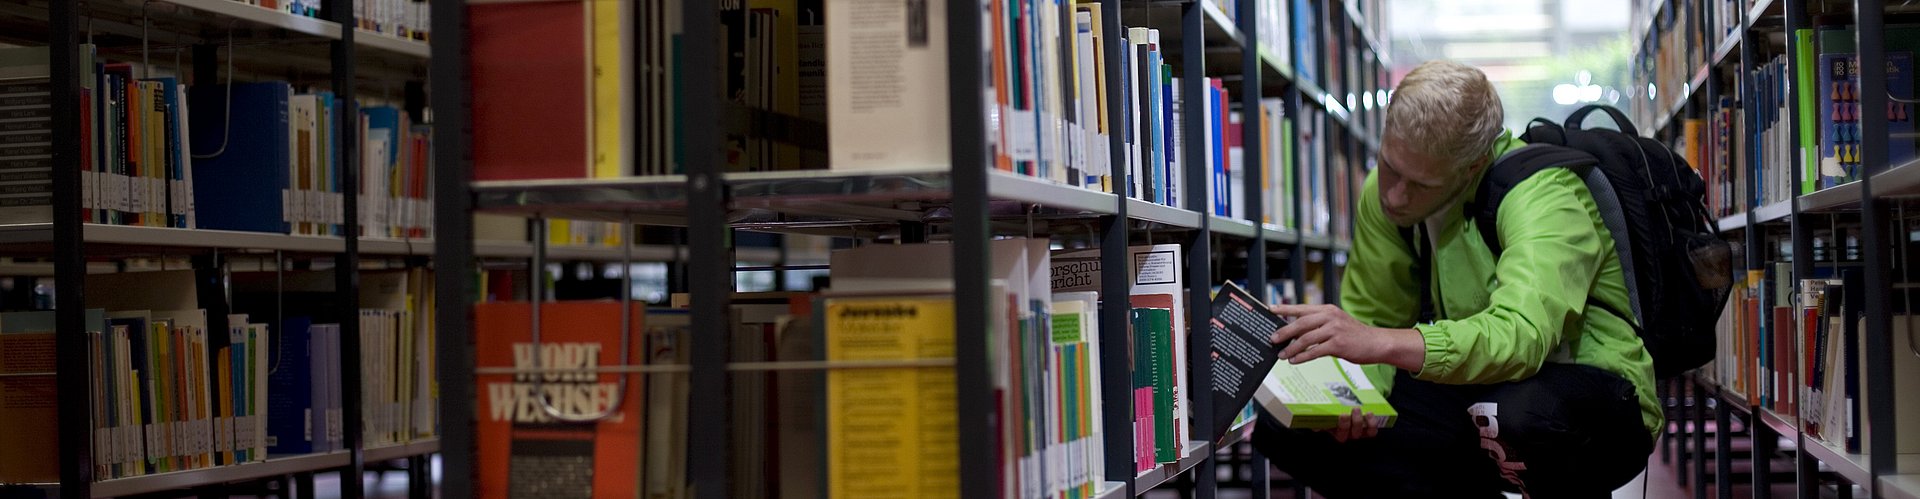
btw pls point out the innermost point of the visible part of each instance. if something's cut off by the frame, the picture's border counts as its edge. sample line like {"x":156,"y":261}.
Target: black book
{"x":1243,"y":352}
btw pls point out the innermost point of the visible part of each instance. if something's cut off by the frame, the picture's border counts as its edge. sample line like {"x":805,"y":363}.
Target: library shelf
{"x":393,"y":44}
{"x":1276,"y":72}
{"x":401,"y":451}
{"x":1760,"y":10}
{"x":1317,"y":241}
{"x":1729,"y":47}
{"x":30,"y":236}
{"x":1732,"y":222}
{"x":1112,"y":490}
{"x":1901,"y":486}
{"x":263,"y":16}
{"x":1773,"y":212}
{"x":1671,"y":114}
{"x":136,"y":239}
{"x":1154,"y":478}
{"x":1342,"y":246}
{"x":1854,"y":467}
{"x":1781,"y":425}
{"x":1843,"y":197}
{"x":1221,"y":27}
{"x":1277,"y":234}
{"x":1162,"y":214}
{"x":1232,"y":227}
{"x":641,"y":253}
{"x":1900,"y":180}
{"x":819,"y":196}
{"x":180,"y":480}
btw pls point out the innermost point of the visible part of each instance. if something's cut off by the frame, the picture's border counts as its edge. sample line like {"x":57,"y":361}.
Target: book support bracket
{"x":537,"y":295}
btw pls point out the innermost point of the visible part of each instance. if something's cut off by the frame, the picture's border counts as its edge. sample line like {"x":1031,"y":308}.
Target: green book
{"x":1808,"y":104}
{"x":1153,"y":341}
{"x":1314,"y":395}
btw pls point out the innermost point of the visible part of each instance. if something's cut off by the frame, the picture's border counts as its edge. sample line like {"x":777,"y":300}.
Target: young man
{"x":1519,"y":383}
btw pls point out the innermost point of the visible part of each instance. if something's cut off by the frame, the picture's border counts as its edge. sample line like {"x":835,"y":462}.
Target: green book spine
{"x":1806,"y":92}
{"x":1166,"y":449}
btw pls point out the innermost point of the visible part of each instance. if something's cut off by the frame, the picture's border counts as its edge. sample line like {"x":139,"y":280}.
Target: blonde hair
{"x":1447,"y":111}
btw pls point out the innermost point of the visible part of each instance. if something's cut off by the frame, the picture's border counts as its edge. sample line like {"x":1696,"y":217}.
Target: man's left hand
{"x":1325,"y":330}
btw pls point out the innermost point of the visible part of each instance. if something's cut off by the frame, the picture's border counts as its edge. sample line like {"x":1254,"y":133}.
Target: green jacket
{"x":1503,"y":319}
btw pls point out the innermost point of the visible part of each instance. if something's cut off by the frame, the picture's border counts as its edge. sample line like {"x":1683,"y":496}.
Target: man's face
{"x":1414,"y":186}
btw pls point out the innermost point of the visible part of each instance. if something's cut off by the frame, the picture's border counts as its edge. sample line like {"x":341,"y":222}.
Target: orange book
{"x":514,"y":428}
{"x":223,"y":370}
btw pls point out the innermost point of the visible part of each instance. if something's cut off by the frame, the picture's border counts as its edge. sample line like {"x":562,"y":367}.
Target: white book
{"x":887,"y":85}
{"x":1092,"y":164}
{"x":1137,"y":129}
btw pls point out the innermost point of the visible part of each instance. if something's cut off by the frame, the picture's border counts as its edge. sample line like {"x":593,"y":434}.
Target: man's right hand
{"x":1355,"y":426}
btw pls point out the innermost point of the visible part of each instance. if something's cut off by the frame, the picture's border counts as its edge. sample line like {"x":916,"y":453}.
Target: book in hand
{"x":1315,"y":394}
{"x":1243,"y":352}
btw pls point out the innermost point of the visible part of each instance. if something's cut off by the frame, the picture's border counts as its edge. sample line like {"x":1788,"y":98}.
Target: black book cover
{"x":1243,"y":352}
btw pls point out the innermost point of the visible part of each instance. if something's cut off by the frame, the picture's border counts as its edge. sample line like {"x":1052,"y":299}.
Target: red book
{"x":529,"y":67}
{"x":514,"y":430}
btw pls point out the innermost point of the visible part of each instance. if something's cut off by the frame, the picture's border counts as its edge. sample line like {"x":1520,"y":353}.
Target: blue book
{"x":1217,"y":149}
{"x":290,"y":405}
{"x":332,"y":159}
{"x":1156,"y":168}
{"x":243,"y":186}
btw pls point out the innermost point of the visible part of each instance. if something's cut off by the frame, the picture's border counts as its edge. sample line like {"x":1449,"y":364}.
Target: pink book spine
{"x":1142,"y":428}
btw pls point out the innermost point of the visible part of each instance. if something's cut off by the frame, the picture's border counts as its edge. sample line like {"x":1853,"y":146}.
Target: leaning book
{"x":1315,"y":394}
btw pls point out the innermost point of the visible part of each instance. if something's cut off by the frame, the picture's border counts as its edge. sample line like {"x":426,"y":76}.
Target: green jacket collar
{"x":1501,"y":146}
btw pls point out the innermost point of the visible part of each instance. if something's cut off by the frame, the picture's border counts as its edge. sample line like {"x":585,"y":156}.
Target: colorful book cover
{"x":1315,"y":394}
{"x":524,"y":451}
{"x":891,"y":431}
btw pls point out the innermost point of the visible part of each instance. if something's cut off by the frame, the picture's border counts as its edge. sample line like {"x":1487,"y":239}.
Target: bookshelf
{"x":965,"y":203}
{"x":180,"y":480}
{"x":190,"y":41}
{"x":1714,"y":64}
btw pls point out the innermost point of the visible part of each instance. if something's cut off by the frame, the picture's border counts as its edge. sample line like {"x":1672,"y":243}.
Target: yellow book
{"x":891,"y":431}
{"x":610,"y":46}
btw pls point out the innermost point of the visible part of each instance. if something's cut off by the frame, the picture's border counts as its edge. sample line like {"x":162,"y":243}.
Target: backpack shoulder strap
{"x":1508,"y":171}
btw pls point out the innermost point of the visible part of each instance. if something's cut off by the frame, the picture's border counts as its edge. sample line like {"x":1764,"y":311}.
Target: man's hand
{"x":1325,"y":330}
{"x":1355,"y":426}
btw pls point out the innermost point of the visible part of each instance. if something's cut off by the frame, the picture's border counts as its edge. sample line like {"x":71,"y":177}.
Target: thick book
{"x":245,"y":179}
{"x":530,"y":71}
{"x":887,"y":85}
{"x":1317,"y":393}
{"x":524,"y":451}
{"x":1243,"y":353}
{"x":891,"y":430}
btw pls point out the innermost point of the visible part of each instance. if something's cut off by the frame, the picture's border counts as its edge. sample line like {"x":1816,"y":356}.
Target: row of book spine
{"x":410,"y":19}
{"x":141,"y":147}
{"x":1817,"y":85}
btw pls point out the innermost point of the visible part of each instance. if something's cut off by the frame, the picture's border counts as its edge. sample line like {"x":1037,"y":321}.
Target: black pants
{"x":1568,"y":431}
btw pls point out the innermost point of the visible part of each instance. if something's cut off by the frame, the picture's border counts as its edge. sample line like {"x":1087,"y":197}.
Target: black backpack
{"x":1678,"y":269}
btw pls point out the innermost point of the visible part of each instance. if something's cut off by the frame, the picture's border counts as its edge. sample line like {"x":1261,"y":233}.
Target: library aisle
{"x":849,"y":249}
